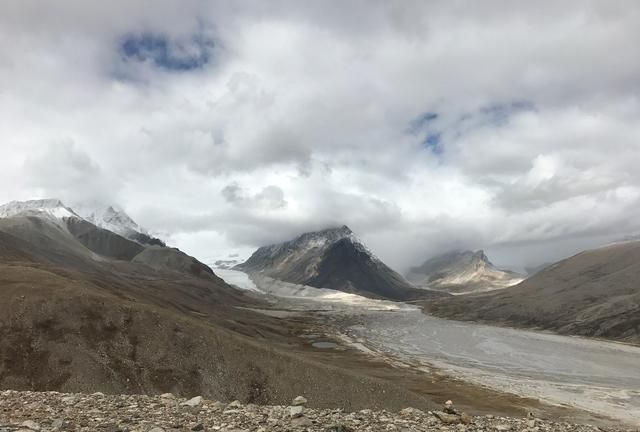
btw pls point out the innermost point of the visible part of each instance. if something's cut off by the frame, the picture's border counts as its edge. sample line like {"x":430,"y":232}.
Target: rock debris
{"x":51,"y":411}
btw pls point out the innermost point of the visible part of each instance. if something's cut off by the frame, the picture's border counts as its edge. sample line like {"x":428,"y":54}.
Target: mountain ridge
{"x":331,"y":258}
{"x":593,"y":293}
{"x":125,"y":243}
{"x":102,"y":216}
{"x":462,"y":272}
{"x":74,"y":320}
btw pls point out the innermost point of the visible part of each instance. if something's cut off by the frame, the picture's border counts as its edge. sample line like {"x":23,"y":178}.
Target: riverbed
{"x":596,"y":376}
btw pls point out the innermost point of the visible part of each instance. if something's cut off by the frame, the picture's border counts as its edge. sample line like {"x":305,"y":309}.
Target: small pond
{"x":324,"y":345}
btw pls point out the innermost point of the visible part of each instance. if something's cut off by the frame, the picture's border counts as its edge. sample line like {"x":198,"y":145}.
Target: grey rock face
{"x":461,"y":273}
{"x":333,"y":258}
{"x":594,"y":293}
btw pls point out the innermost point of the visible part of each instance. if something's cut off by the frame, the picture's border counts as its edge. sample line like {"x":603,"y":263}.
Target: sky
{"x":425,"y":126}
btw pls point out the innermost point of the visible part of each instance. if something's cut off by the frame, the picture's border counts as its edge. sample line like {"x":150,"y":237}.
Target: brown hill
{"x":595,"y":293}
{"x":72,"y":320}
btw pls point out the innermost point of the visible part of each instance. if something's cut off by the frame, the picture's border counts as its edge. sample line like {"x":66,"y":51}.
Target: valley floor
{"x":51,"y":411}
{"x":517,"y":371}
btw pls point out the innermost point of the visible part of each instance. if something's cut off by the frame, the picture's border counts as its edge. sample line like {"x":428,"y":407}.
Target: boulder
{"x":447,"y":418}
{"x":193,"y":402}
{"x":296,"y":411}
{"x":300,"y":400}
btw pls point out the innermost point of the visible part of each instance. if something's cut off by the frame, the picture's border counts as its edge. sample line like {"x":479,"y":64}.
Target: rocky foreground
{"x":52,"y":411}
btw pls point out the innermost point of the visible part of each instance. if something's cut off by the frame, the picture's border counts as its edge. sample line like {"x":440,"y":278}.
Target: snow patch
{"x":238,"y":279}
{"x":324,"y":298}
{"x":108,"y":217}
{"x":52,"y":209}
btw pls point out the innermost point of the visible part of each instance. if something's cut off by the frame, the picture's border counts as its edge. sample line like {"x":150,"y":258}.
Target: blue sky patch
{"x":433,"y":142}
{"x":423,"y":120}
{"x":499,"y":114}
{"x":170,"y":54}
{"x":424,"y":126}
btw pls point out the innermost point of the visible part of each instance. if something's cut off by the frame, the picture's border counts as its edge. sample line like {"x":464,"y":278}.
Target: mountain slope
{"x":595,"y":293}
{"x":74,"y":321}
{"x":102,"y":241}
{"x":102,"y":216}
{"x":115,"y":220}
{"x":462,"y":272}
{"x":52,"y":209}
{"x":332,"y":258}
{"x":531,"y":270}
{"x":174,"y":259}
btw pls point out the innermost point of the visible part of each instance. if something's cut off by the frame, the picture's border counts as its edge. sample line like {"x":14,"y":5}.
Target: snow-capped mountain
{"x":103,"y":216}
{"x":225,"y":264}
{"x":107,"y":217}
{"x":462,"y":272}
{"x":51,"y":208}
{"x":308,"y":248}
{"x":332,"y":258}
{"x":98,"y":232}
{"x":116,"y":220}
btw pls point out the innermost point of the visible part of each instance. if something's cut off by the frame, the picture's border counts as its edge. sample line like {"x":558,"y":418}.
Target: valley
{"x":336,"y":216}
{"x":596,"y":377}
{"x":87,"y":309}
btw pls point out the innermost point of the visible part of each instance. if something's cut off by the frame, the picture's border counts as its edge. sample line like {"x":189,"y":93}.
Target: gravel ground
{"x":52,"y":411}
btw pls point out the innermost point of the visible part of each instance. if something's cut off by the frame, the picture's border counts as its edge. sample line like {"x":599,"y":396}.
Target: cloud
{"x":269,"y":198}
{"x":422,"y":125}
{"x":64,"y":171}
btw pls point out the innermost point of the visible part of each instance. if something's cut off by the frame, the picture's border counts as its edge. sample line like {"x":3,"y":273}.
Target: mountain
{"x":594,"y":293}
{"x":116,"y":237}
{"x":226,"y":264}
{"x":115,"y":220}
{"x":102,"y":216}
{"x":77,"y":315}
{"x":170,"y":258}
{"x":461,"y":272}
{"x":52,"y":209}
{"x":102,"y":241}
{"x":332,"y":258}
{"x":531,"y":270}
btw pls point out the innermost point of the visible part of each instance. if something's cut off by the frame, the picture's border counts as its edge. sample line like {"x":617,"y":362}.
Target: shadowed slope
{"x":102,"y":241}
{"x":595,"y":293}
{"x":72,"y":320}
{"x":333,"y":258}
{"x":462,"y":272}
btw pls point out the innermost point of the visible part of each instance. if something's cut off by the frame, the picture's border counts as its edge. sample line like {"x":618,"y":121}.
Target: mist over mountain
{"x":259,"y":201}
{"x":331,"y":258}
{"x":79,"y":314}
{"x":217,"y":135}
{"x":99,"y":215}
{"x":107,"y":232}
{"x":462,"y":272}
{"x":594,"y":293}
{"x":115,"y":220}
